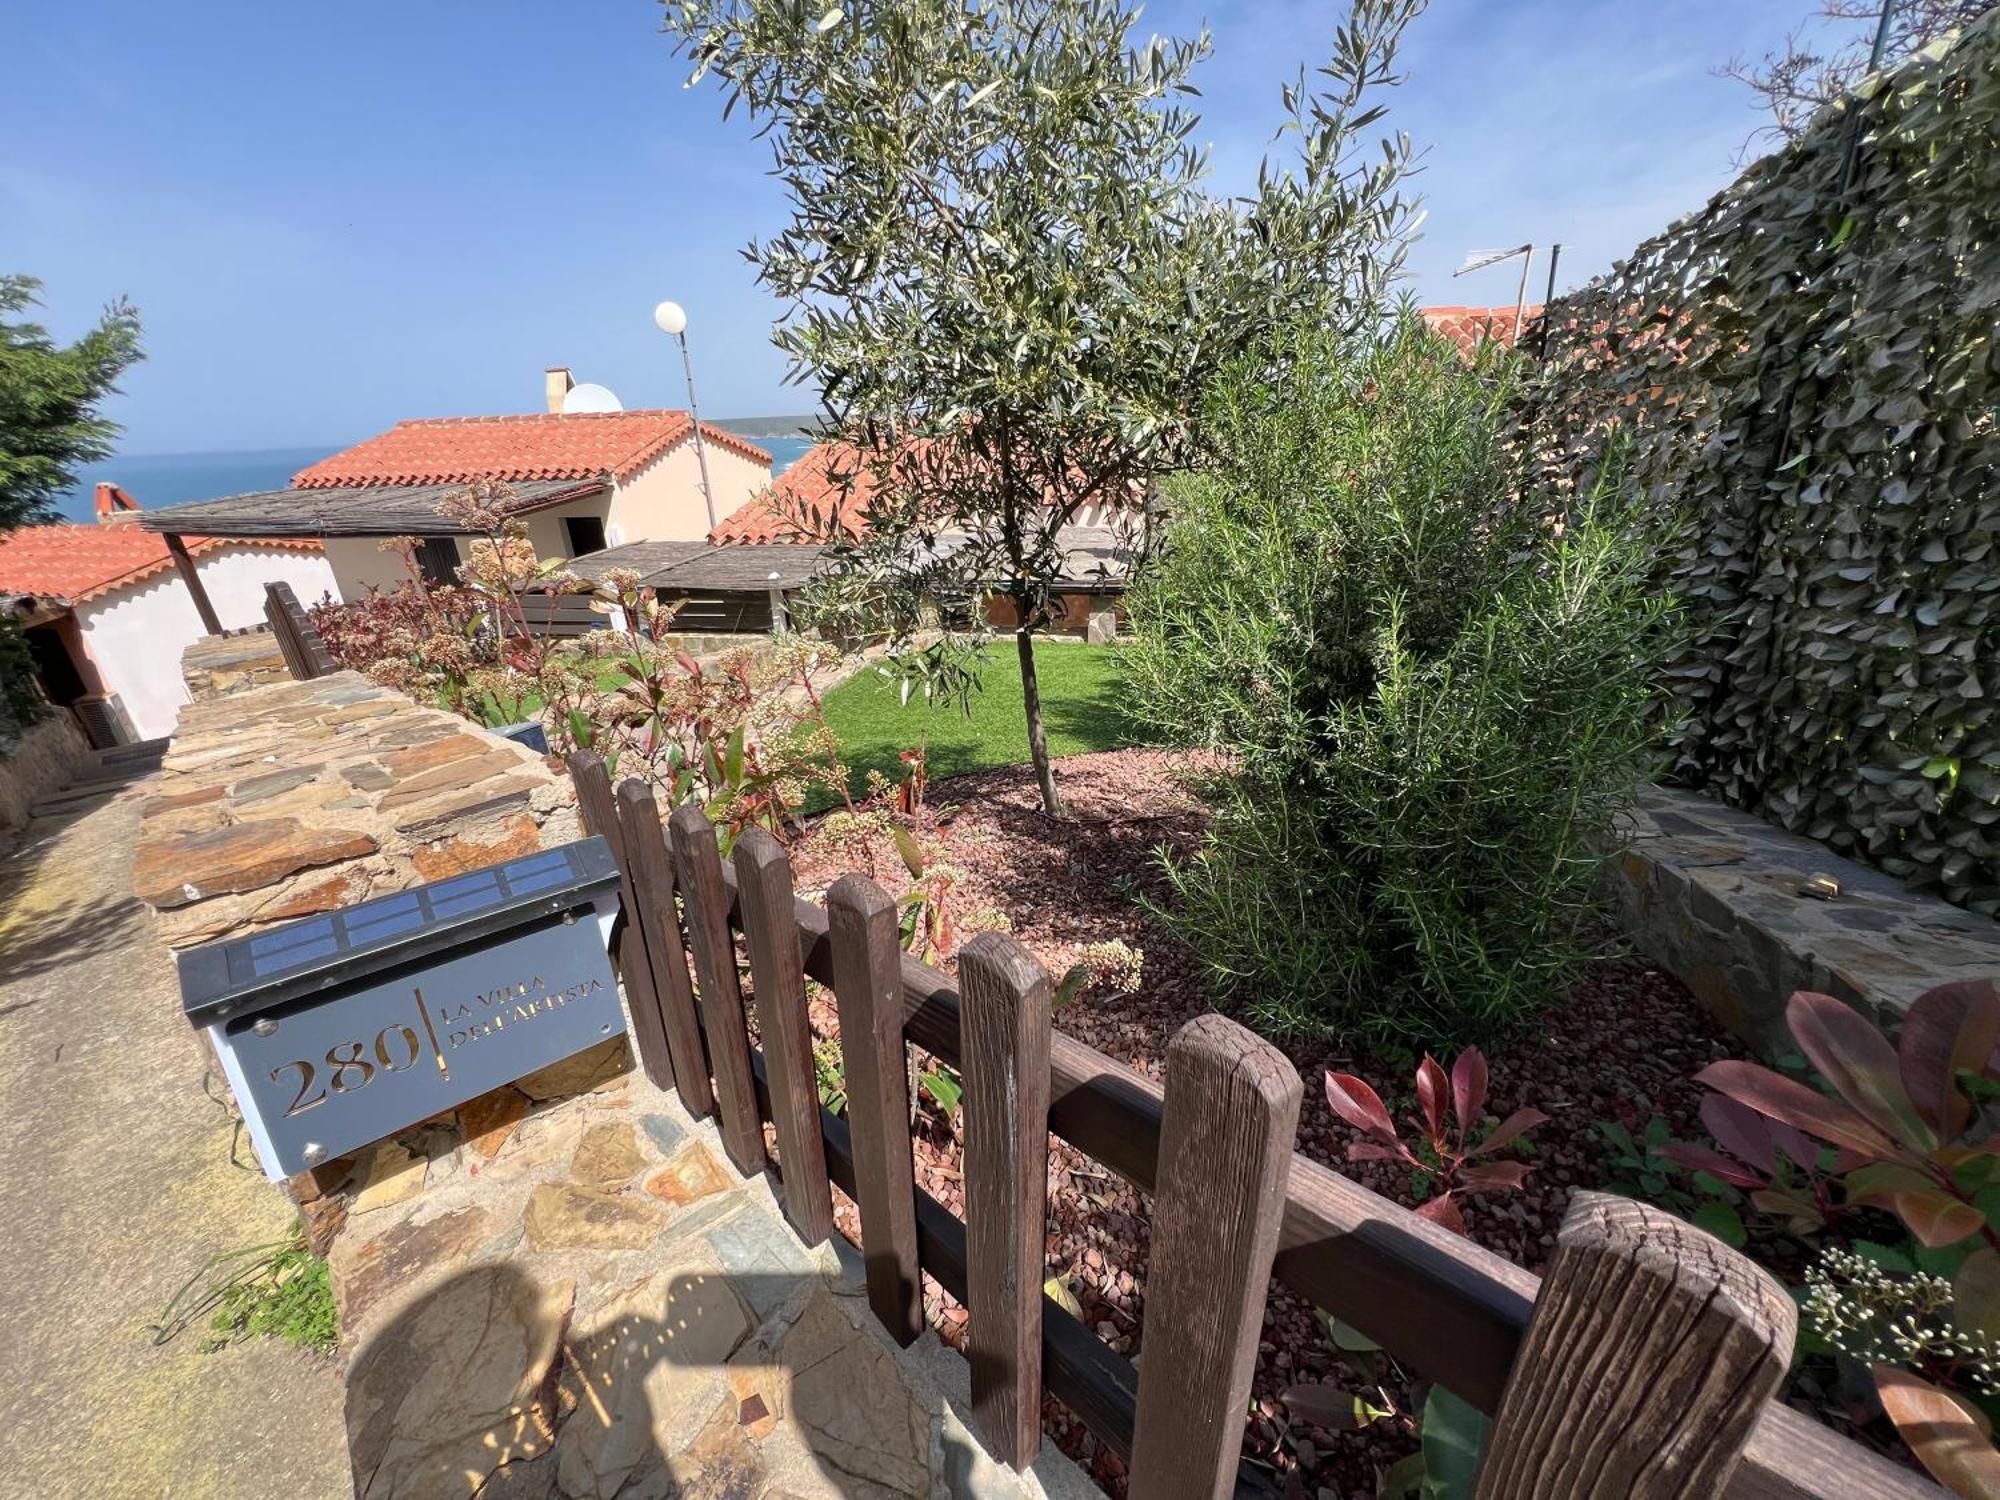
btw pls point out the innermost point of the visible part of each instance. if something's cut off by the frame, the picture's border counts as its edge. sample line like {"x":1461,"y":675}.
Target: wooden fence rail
{"x":306,"y":656}
{"x":1645,"y":1365}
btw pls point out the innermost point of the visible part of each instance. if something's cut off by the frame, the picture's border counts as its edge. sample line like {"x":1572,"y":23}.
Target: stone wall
{"x":275,"y":802}
{"x":1717,"y":896}
{"x":217,"y":666}
{"x":48,"y":756}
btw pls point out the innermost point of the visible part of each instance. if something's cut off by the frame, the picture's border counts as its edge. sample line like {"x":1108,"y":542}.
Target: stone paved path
{"x":587,"y":1303}
{"x":115,"y":1185}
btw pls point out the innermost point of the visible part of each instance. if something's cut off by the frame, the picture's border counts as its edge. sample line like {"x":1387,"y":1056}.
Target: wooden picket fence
{"x":1645,"y":1364}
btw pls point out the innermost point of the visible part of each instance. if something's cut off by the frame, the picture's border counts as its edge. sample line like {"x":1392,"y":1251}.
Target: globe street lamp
{"x":672,"y":319}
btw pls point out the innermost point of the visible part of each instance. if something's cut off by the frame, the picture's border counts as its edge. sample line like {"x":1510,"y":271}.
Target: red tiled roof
{"x":78,"y":563}
{"x":819,"y":482}
{"x":1469,"y":327}
{"x":542,"y":445}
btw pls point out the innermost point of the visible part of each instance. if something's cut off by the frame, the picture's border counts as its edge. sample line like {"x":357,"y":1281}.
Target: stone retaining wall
{"x":275,"y":802}
{"x":1716,"y":896}
{"x":217,"y":666}
{"x":48,"y":756}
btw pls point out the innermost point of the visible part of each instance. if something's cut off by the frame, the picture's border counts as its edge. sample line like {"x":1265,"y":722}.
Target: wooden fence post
{"x":778,"y":979}
{"x":868,"y":988}
{"x":698,"y":863}
{"x":1232,"y":1113}
{"x":1652,"y":1350}
{"x":651,"y":873}
{"x":599,"y":814}
{"x":1005,"y":997}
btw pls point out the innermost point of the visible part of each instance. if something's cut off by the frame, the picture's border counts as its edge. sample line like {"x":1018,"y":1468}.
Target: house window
{"x":437,"y":559}
{"x":585,"y":534}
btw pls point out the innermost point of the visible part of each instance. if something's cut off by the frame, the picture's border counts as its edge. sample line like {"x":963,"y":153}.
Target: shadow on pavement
{"x":487,"y":1386}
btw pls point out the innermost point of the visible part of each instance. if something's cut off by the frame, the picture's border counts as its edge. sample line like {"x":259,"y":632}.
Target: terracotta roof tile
{"x":542,"y":445}
{"x":818,"y":481}
{"x":78,"y":563}
{"x":1469,"y":327}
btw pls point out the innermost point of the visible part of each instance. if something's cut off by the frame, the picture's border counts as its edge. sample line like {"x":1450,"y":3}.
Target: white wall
{"x":135,"y":635}
{"x":234,"y":579}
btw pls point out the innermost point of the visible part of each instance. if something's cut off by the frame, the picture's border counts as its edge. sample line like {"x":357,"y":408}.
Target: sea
{"x":160,"y":479}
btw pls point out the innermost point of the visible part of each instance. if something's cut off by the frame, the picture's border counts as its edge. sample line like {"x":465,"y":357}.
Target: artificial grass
{"x":1083,"y":708}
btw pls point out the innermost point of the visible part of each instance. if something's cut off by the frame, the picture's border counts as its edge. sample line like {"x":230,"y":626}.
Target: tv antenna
{"x":1479,"y":260}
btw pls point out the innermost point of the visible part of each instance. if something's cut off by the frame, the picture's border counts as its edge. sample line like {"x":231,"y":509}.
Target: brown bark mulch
{"x":1621,"y":1046}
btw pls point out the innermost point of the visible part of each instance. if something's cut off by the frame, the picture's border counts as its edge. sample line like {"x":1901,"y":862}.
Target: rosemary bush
{"x":1434,"y":701}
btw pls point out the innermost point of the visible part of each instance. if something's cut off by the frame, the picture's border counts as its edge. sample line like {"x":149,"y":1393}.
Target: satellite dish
{"x":589,"y":398}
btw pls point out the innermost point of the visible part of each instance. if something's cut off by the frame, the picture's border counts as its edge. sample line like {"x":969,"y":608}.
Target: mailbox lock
{"x":264,"y":1026}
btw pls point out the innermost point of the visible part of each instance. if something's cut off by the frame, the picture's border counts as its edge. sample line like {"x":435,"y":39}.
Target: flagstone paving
{"x":593,"y":1306}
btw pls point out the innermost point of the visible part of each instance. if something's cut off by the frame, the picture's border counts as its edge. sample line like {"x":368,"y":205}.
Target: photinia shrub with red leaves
{"x":1908,"y":1134}
{"x":1449,"y":1107}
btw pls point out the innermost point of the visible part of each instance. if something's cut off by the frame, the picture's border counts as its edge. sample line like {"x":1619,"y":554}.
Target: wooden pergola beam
{"x":184,"y":564}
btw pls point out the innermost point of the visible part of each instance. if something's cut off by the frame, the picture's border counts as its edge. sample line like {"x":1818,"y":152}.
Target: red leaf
{"x":1853,"y":1056}
{"x":1741,"y":1131}
{"x":1935,"y":1218}
{"x":1975,"y":1292}
{"x":1360,"y":1106}
{"x":1950,"y":1029}
{"x":1797,"y":1147}
{"x":1949,"y":1435}
{"x":1494,"y":1176}
{"x":1792,"y":1103}
{"x":1701,"y":1159}
{"x":1468,"y":1087}
{"x":1369,"y":1151}
{"x":1786,"y":1203}
{"x":1431,"y":1088}
{"x":1443,"y":1212}
{"x":1515,"y":1125}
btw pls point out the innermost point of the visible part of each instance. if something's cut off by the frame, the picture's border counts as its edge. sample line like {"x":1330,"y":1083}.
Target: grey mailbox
{"x":337,"y":1030}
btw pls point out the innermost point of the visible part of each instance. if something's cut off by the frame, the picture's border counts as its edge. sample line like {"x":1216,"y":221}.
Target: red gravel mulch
{"x":1622,"y":1046}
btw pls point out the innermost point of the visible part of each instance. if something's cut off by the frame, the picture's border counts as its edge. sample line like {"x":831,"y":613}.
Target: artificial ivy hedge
{"x":1806,"y":370}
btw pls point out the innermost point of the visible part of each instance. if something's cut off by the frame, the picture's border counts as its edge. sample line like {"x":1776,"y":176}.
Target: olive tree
{"x":1010,"y":281}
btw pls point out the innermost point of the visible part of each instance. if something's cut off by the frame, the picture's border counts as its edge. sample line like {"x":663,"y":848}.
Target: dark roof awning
{"x":348,"y":510}
{"x":700,"y":567}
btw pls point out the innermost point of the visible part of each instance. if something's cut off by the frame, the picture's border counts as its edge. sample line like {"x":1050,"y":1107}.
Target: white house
{"x":107,"y":612}
{"x":583,"y":482}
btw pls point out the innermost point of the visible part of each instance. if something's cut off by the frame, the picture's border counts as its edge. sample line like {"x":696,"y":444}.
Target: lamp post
{"x":672,"y":319}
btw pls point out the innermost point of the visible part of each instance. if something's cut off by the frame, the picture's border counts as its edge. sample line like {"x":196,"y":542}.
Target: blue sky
{"x":333,"y":216}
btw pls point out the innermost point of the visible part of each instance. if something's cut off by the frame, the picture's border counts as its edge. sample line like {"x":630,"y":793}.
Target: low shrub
{"x":1434,"y":700}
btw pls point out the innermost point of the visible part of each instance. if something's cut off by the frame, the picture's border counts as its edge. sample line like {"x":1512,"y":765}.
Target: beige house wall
{"x":662,"y":502}
{"x":359,"y":563}
{"x":545,"y":527}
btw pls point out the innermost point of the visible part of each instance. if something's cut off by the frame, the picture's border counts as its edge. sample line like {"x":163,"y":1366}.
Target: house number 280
{"x":347,"y":1069}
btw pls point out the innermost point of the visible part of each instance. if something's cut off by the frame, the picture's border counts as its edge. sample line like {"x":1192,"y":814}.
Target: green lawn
{"x":1083,"y":708}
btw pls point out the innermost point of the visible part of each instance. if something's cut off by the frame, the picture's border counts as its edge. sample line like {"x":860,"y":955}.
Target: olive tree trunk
{"x":1038,"y":744}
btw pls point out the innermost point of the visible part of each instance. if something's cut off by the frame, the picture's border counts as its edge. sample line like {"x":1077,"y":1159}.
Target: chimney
{"x":113,"y":506}
{"x":557,"y":384}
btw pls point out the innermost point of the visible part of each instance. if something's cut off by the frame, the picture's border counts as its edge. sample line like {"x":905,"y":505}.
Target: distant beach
{"x":160,"y":479}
